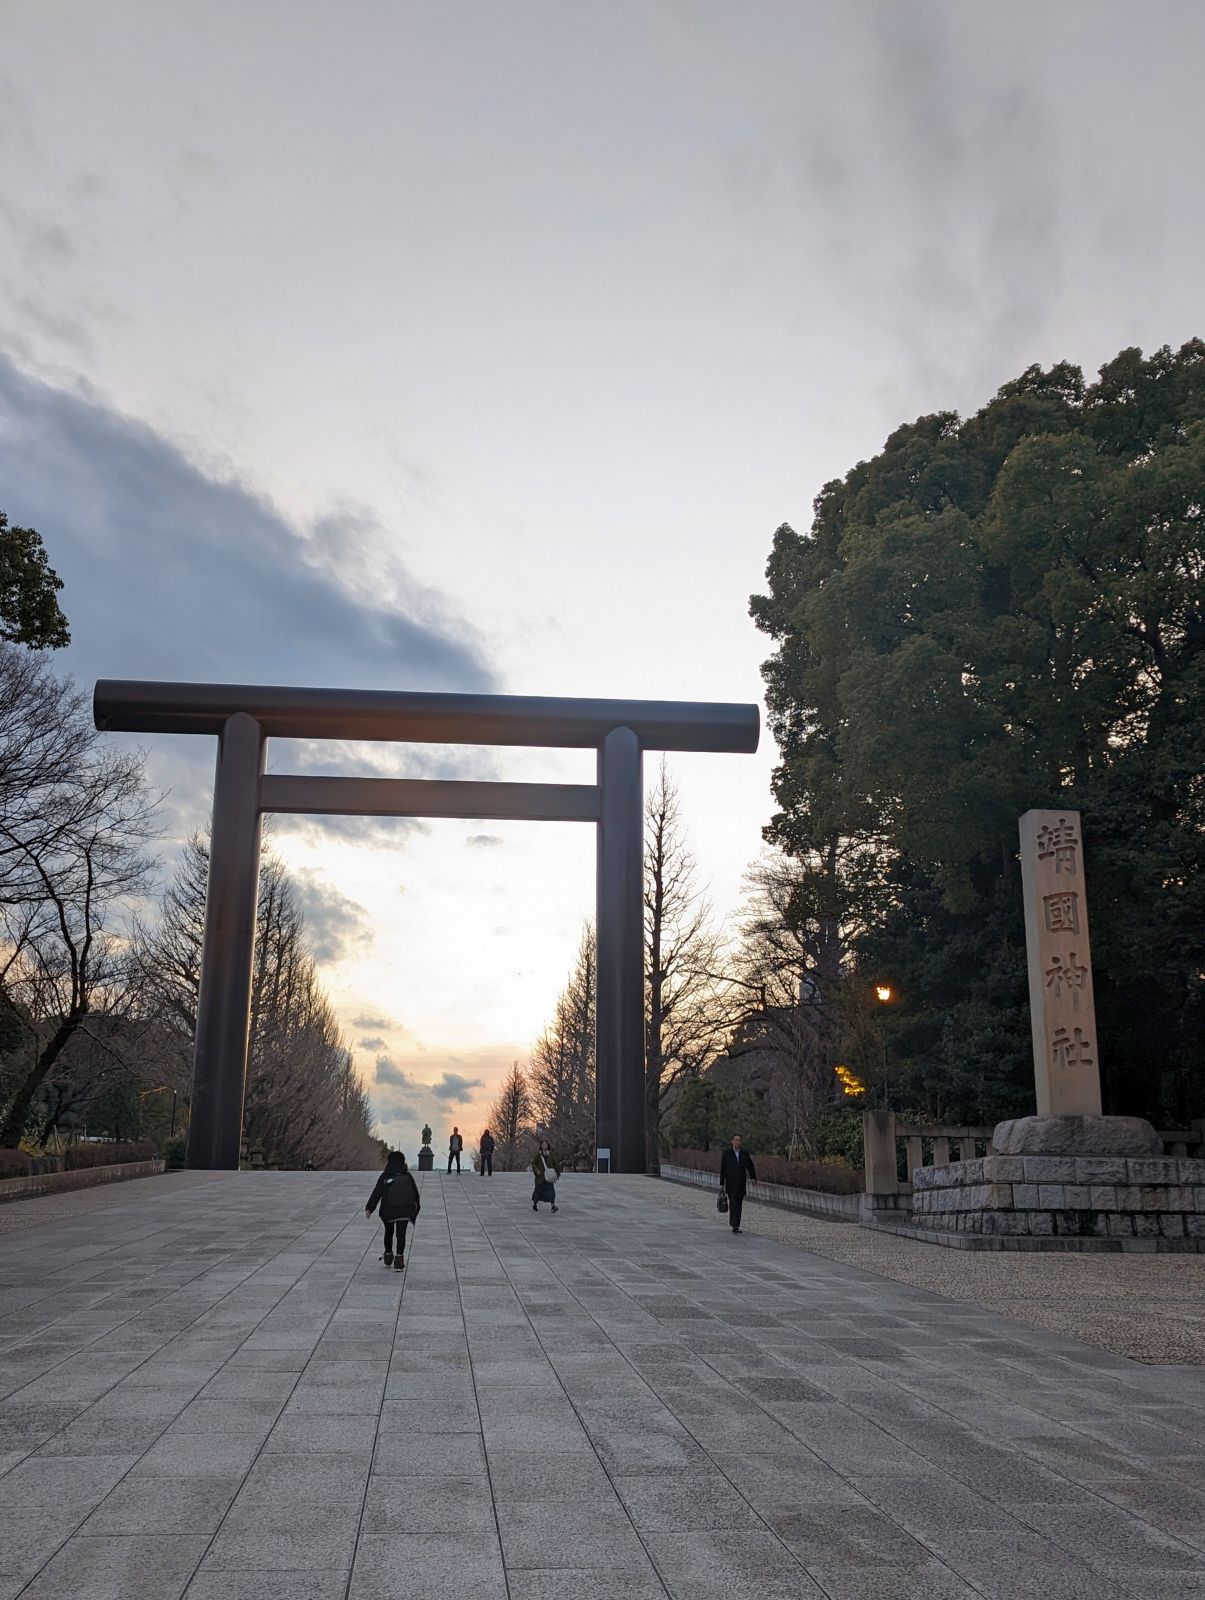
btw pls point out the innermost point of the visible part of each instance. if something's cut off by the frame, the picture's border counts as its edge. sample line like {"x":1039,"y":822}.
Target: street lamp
{"x":884,"y":994}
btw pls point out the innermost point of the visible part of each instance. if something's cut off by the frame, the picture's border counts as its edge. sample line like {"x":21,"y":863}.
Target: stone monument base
{"x":1076,"y":1136}
{"x":1061,"y":1202}
{"x":426,"y":1159}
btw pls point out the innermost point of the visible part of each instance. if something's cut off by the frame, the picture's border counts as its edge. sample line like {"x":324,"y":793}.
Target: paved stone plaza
{"x":215,"y":1389}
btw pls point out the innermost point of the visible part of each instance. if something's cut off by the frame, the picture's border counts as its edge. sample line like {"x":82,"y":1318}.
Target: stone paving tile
{"x":187,"y":1455}
{"x":849,"y":1536}
{"x":686,"y":1502}
{"x":119,"y":1567}
{"x":267,"y":1586}
{"x":76,"y":1483}
{"x":591,"y":1534}
{"x":305,"y":1480}
{"x":417,"y":1565}
{"x":1157,"y":1585}
{"x":932,"y":1582}
{"x":322,"y":1435}
{"x":697,"y":1566}
{"x":28,"y":1538}
{"x":456,"y":1455}
{"x":1103,"y":1535}
{"x":560,"y":1582}
{"x":169,"y":1505}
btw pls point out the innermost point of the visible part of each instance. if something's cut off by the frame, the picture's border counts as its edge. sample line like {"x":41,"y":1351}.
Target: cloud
{"x":452,"y":1088}
{"x":398,"y":1098}
{"x":388,"y":1072}
{"x":373,"y":1043}
{"x":394,"y":1110}
{"x":170,"y":572}
{"x":483,"y":841}
{"x":366,"y":1020}
{"x":334,"y":924}
{"x":175,"y":572}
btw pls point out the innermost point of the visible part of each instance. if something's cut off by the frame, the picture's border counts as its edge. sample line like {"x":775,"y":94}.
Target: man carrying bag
{"x":736,"y":1169}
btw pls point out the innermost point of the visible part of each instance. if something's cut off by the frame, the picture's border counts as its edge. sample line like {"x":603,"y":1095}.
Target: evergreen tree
{"x":991,"y":615}
{"x":29,"y":588}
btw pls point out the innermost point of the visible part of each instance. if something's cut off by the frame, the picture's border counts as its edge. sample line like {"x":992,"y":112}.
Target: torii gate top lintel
{"x":245,"y":716}
{"x":411,"y":717}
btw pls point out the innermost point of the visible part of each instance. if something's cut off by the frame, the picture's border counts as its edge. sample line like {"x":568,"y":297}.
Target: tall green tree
{"x":29,"y":590}
{"x":991,"y":615}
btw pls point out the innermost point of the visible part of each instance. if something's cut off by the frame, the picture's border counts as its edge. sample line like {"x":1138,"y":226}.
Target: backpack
{"x":400,"y":1198}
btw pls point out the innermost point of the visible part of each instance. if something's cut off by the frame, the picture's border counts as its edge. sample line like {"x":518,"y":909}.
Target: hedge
{"x":15,"y":1163}
{"x":106,"y":1155}
{"x":825,"y":1176}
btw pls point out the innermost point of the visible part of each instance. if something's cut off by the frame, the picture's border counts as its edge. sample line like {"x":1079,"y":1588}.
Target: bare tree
{"x":511,"y":1122}
{"x":304,"y":1099}
{"x":563,"y":1063}
{"x":75,"y":819}
{"x":167,"y":955}
{"x":687,"y":1014}
{"x":788,"y":970}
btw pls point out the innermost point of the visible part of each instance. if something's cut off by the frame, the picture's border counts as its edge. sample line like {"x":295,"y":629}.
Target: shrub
{"x":837,"y":1131}
{"x":822,"y":1175}
{"x":175,"y":1152}
{"x":76,"y":1156}
{"x":15,"y":1164}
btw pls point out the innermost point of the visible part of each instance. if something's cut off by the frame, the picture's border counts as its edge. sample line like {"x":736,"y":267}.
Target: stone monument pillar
{"x":1068,"y":1178}
{"x":426,"y":1156}
{"x":1066,"y":1064}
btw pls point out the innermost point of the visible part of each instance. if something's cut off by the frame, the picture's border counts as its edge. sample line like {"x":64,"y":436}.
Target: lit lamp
{"x":884,"y":994}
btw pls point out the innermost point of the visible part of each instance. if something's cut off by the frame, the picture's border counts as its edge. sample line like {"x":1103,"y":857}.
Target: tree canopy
{"x":994,"y":614}
{"x":29,"y":589}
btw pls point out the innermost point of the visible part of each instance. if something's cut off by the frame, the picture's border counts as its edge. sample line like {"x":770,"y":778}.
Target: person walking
{"x":397,"y":1194}
{"x":487,"y":1154}
{"x":543,"y":1164}
{"x":455,"y":1146}
{"x":736,"y":1168}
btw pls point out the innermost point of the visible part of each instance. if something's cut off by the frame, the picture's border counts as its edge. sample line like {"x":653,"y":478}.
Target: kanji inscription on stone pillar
{"x":1065,"y":1060}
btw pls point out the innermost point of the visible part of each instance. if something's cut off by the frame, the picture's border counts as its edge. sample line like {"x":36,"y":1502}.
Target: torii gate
{"x":244,"y":717}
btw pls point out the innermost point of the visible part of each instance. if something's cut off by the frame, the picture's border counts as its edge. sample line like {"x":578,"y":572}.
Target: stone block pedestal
{"x":1015,"y":1202}
{"x":426,"y":1159}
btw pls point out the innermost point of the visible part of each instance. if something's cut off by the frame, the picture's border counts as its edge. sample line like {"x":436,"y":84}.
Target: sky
{"x":440,"y":344}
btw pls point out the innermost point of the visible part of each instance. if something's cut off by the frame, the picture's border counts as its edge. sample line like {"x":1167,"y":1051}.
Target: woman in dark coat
{"x":543,"y":1164}
{"x":397,"y":1194}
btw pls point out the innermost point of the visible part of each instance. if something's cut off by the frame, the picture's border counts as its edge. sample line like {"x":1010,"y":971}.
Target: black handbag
{"x":722,"y":1203}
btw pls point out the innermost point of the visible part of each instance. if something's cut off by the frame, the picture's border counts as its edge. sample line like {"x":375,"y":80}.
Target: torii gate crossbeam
{"x":244,"y":717}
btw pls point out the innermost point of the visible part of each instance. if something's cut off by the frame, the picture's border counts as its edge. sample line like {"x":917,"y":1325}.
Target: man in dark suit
{"x":736,"y":1168}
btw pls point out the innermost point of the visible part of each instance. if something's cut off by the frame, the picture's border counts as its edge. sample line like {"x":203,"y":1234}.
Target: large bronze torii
{"x":244,"y":717}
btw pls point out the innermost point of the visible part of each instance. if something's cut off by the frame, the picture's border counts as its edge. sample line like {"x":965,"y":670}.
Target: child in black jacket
{"x":397,"y":1193}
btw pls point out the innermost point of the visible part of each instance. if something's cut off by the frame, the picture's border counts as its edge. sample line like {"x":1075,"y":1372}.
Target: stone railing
{"x":895,"y":1152}
{"x":814,"y":1202}
{"x":934,"y":1146}
{"x":1185,"y":1142}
